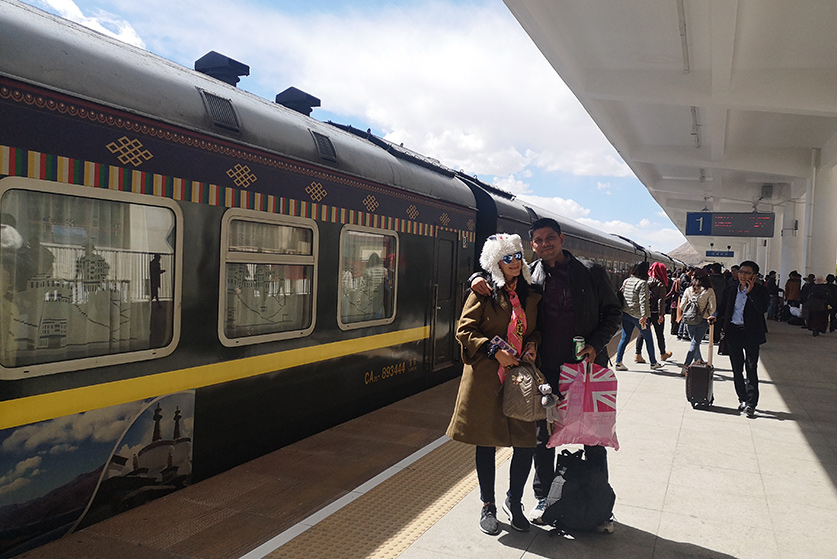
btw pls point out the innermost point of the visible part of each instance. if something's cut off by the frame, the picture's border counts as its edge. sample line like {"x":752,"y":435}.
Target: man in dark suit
{"x":742,"y":308}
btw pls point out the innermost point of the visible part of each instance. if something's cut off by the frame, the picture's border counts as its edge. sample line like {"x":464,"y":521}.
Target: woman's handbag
{"x":587,"y":411}
{"x":521,"y":398}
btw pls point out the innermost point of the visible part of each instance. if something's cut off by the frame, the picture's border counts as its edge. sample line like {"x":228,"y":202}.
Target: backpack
{"x":692,"y":314}
{"x":580,"y":498}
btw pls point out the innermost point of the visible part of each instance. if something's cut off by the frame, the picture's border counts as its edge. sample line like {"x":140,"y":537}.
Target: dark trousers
{"x":743,"y":356}
{"x":521,"y":463}
{"x":658,"y":331}
{"x":545,"y":461}
{"x":675,"y":326}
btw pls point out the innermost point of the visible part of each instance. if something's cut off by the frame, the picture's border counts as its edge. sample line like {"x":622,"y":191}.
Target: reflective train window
{"x":368,"y":277}
{"x":268,"y":277}
{"x":85,"y":273}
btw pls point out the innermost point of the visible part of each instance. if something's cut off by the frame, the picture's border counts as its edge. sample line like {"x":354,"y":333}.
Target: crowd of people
{"x":518,"y":311}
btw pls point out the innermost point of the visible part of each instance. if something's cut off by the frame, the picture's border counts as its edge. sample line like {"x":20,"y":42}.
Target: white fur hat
{"x":495,"y":248}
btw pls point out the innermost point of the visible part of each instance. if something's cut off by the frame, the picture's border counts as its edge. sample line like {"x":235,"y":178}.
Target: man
{"x":578,"y":300}
{"x":772,"y":285}
{"x":718,"y":285}
{"x":742,"y":309}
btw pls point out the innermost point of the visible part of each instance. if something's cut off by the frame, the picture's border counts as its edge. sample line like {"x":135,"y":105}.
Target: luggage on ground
{"x":580,"y":497}
{"x":700,"y":377}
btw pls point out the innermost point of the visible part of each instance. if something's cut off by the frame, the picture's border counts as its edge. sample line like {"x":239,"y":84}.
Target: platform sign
{"x":720,"y":253}
{"x":730,"y":224}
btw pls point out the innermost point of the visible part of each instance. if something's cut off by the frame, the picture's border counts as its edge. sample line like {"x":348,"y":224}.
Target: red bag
{"x":587,"y":412}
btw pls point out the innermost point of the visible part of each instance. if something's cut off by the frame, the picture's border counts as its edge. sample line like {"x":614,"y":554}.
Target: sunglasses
{"x":510,"y":257}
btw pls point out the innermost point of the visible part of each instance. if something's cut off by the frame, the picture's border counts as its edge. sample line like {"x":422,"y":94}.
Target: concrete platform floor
{"x":694,"y":483}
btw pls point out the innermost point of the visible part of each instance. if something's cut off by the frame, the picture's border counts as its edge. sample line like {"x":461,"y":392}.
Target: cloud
{"x":560,"y":206}
{"x":101,"y":21}
{"x":65,"y":434}
{"x":462,"y":83}
{"x":17,"y":477}
{"x":646,"y":233}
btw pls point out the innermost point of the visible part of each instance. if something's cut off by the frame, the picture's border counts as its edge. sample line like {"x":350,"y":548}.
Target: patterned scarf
{"x":516,"y":330}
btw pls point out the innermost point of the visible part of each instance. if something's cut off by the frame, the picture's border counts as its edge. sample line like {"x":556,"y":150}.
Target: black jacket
{"x":596,"y":309}
{"x":757,"y":303}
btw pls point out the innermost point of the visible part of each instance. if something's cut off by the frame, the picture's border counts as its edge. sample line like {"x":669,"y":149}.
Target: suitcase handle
{"x":711,"y":341}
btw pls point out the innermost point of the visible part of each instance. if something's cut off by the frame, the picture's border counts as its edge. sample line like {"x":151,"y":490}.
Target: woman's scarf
{"x":516,"y":330}
{"x":658,"y":270}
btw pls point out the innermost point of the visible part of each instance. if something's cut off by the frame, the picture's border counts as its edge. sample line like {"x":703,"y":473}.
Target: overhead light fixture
{"x":695,"y":126}
{"x":684,"y":43}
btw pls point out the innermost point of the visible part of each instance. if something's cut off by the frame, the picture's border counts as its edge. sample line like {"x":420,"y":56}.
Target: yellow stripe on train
{"x":31,"y":409}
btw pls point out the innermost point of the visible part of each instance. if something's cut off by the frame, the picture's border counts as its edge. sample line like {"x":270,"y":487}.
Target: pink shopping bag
{"x":587,"y":413}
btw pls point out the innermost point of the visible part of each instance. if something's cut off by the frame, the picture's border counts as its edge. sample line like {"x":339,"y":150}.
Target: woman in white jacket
{"x":701,"y":292}
{"x":636,"y":311}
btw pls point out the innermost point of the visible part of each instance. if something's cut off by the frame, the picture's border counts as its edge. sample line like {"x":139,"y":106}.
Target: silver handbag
{"x":521,"y":398}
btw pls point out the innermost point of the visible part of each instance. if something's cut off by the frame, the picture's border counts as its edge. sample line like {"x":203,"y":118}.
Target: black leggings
{"x":521,"y":463}
{"x":658,"y":330}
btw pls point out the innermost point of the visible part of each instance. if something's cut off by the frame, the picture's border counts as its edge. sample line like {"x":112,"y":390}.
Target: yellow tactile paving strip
{"x":385,"y":521}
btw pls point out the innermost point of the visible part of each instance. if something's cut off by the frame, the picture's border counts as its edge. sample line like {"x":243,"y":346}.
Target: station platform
{"x":689,"y":483}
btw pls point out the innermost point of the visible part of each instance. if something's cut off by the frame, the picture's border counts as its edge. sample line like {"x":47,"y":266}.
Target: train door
{"x":444,"y":299}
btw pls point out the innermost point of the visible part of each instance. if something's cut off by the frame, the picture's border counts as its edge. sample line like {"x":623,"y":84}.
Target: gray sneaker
{"x":621,"y":367}
{"x":656,"y":366}
{"x":537,"y":513}
{"x":606,"y":527}
{"x":488,"y":520}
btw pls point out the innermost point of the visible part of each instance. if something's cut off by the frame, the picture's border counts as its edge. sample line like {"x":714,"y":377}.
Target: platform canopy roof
{"x":727,"y":105}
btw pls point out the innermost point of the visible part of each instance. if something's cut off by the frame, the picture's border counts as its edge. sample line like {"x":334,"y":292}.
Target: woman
{"x":635,"y":314}
{"x":510,"y":312}
{"x":658,"y":286}
{"x":701,"y":291}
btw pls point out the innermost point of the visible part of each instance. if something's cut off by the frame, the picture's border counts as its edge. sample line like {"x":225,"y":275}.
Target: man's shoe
{"x":742,"y":406}
{"x":750,"y":411}
{"x":537,"y":513}
{"x":638,"y":358}
{"x":621,"y":367}
{"x":488,"y":520}
{"x":606,"y":527}
{"x":656,"y":366}
{"x":665,"y":356}
{"x":517,"y":519}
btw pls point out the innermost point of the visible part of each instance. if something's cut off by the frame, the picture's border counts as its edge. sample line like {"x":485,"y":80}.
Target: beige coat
{"x":478,"y":415}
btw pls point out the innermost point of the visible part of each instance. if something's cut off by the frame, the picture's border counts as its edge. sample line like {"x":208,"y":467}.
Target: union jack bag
{"x":587,"y":412}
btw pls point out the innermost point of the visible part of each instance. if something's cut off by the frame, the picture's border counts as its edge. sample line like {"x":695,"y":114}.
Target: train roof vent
{"x":221,"y":110}
{"x":297,"y":100}
{"x":221,"y":67}
{"x":324,"y":146}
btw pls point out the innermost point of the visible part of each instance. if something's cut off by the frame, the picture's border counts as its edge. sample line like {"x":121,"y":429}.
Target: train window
{"x":89,"y":277}
{"x":368,"y":277}
{"x":268,"y":277}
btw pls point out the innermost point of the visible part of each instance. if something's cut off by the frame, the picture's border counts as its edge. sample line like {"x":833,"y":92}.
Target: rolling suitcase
{"x":699,"y":379}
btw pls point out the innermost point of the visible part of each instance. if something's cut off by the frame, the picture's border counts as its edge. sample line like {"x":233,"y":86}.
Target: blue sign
{"x":730,"y":224}
{"x":699,"y":223}
{"x":720,"y":253}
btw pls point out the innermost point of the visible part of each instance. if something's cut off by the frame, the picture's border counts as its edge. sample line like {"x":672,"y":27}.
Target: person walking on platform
{"x":510,"y":311}
{"x":832,"y":302}
{"x":793,"y":288}
{"x":742,"y":309}
{"x":658,"y":287}
{"x":635,"y":314}
{"x":701,"y":294}
{"x":578,"y":300}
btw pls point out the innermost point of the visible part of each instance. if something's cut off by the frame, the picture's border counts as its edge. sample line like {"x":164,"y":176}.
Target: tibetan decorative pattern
{"x":129,"y":151}
{"x":316,"y":191}
{"x":445,"y":219}
{"x":471,"y":224}
{"x":241,"y":175}
{"x":371,"y":203}
{"x":412,"y":212}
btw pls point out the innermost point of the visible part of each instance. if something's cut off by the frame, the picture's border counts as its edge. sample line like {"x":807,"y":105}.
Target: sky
{"x":455,"y":80}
